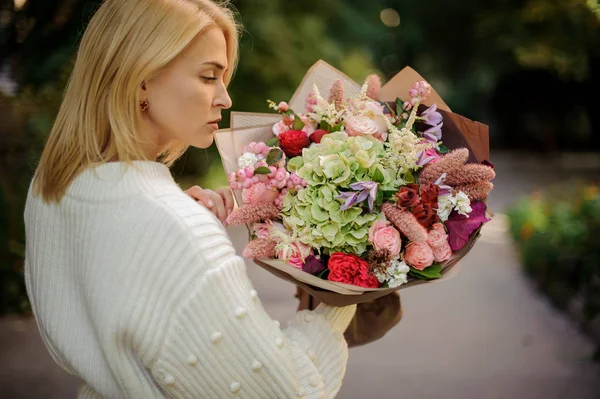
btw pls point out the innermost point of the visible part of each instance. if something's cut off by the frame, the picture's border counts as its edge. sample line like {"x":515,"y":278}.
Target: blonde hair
{"x":126,"y":43}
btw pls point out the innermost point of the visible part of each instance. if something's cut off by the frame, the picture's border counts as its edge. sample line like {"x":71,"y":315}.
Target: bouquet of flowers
{"x":351,"y":196}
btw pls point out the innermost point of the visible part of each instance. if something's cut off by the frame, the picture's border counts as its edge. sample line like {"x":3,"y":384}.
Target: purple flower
{"x":363,"y":190}
{"x":444,"y":188}
{"x":425,"y":157}
{"x":313,"y":265}
{"x":460,"y":227}
{"x":431,"y":117}
{"x":430,"y":138}
{"x":435,"y":131}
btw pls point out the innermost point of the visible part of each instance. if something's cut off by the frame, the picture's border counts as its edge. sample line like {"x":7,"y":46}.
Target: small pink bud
{"x":231,"y":177}
{"x":283,"y":106}
{"x":255,"y":179}
{"x":406,"y":106}
{"x":290,"y":184}
{"x":249,"y":171}
{"x":241,"y":174}
{"x":247,"y":183}
{"x":413,"y":92}
{"x":414,"y":100}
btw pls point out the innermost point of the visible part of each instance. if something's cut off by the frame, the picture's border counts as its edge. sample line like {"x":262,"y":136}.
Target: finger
{"x":200,"y":195}
{"x":227,"y":196}
{"x":194,"y":191}
{"x":219,"y":209}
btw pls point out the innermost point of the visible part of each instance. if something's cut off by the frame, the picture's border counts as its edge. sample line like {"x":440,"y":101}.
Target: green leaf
{"x":337,"y":128}
{"x":262,"y":170}
{"x":274,"y":142}
{"x":324,"y":274}
{"x":298,"y":124}
{"x":378,"y":176}
{"x":429,"y":273}
{"x":274,"y":156}
{"x":408,"y":177}
{"x":289,"y":112}
{"x":444,"y":149}
{"x":379,"y":198}
{"x":387,"y":194}
{"x":399,"y":105}
{"x":325,"y":126}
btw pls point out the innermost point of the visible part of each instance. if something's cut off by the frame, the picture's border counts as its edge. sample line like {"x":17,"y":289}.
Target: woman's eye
{"x":208,"y":79}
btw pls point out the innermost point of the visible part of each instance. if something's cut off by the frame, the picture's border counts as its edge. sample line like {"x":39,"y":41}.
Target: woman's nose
{"x":222,"y":99}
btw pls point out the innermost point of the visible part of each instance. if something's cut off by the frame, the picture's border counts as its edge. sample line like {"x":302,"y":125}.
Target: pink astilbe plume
{"x":470,"y":174}
{"x":336,"y":94}
{"x":405,"y":222}
{"x":373,"y":87}
{"x":476,"y":191}
{"x":453,"y":160}
{"x":252,"y":213}
{"x":310,"y":101}
{"x":260,"y":248}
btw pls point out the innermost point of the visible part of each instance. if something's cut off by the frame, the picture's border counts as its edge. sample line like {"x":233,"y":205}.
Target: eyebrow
{"x":215,"y":64}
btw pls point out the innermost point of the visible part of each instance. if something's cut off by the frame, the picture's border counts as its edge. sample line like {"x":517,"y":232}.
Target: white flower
{"x":247,"y":159}
{"x":381,"y":275}
{"x":459,"y":202}
{"x":462,"y":204}
{"x":395,"y":275}
{"x":445,"y":206}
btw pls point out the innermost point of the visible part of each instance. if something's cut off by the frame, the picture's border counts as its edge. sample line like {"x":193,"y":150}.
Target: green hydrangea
{"x":329,"y":168}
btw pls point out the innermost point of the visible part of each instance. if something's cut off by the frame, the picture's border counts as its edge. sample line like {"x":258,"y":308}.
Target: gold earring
{"x":144,"y":105}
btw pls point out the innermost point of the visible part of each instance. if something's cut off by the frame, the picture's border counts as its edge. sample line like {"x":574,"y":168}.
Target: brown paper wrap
{"x":246,"y":127}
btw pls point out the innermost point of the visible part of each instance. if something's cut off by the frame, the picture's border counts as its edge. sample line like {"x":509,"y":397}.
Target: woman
{"x":135,"y":286}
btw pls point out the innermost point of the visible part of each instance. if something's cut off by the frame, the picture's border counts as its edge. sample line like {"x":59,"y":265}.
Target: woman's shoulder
{"x":192,"y":222}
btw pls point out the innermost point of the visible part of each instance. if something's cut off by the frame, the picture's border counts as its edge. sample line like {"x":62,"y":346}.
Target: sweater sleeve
{"x":221,"y":343}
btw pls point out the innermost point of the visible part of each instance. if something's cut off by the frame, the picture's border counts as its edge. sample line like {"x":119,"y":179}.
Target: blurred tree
{"x":505,"y":61}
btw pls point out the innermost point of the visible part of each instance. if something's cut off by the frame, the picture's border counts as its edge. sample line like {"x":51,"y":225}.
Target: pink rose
{"x":437,"y":236}
{"x":258,"y":193}
{"x":294,"y":254}
{"x":361,"y":126}
{"x":443,"y":253}
{"x":385,"y":237}
{"x":418,"y":255}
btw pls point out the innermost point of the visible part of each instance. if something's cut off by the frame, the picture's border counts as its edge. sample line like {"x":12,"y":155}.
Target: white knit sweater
{"x":138,"y":291}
